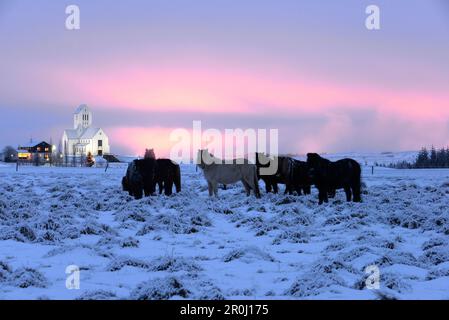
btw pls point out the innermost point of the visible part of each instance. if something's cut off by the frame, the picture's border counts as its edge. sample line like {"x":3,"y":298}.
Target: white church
{"x":84,"y":138}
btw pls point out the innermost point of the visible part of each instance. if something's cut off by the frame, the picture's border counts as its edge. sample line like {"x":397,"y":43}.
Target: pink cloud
{"x":224,"y":90}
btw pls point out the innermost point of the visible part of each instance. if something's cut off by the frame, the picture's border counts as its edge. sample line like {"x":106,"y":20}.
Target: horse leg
{"x":306,"y":190}
{"x":356,"y":192}
{"x":169,"y":187}
{"x":247,"y":188}
{"x":160,"y":186}
{"x":255,"y":187}
{"x":288,"y":189}
{"x":210,"y":188}
{"x":138,"y":193}
{"x":348,"y":193}
{"x":275,"y":188}
{"x":215,"y":188}
{"x":267,"y":186}
{"x":320,"y":196}
{"x":326,"y":197}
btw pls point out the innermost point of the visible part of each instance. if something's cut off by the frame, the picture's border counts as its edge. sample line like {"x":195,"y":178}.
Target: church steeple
{"x":82,"y":117}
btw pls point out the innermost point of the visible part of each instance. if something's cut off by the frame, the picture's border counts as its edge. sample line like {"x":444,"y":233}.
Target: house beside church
{"x":36,"y":151}
{"x":84,"y":138}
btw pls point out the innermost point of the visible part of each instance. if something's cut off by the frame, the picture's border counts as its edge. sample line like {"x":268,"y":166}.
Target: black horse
{"x":140,"y":178}
{"x":278,"y":171}
{"x":299,"y":179}
{"x":291,"y":172}
{"x":329,"y":176}
{"x":168,"y":174}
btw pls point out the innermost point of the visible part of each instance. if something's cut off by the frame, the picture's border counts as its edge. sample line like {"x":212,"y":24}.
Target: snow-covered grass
{"x":234,"y":247}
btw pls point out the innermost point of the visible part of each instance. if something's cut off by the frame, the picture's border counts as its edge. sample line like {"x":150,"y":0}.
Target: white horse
{"x":217,"y":171}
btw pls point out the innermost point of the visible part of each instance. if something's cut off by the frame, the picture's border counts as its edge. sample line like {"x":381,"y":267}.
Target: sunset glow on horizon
{"x":147,"y":69}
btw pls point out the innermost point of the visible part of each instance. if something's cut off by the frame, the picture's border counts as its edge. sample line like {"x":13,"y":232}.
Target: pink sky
{"x":329,"y":86}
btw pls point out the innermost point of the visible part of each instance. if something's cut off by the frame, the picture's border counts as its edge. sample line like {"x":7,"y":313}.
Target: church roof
{"x":71,"y":133}
{"x":87,"y":133}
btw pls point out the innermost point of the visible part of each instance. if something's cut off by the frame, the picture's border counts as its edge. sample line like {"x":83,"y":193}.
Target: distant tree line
{"x":432,"y":158}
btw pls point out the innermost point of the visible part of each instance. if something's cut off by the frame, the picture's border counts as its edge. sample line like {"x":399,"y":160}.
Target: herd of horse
{"x":143,"y":175}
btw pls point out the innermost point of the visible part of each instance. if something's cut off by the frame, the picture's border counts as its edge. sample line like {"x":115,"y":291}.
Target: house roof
{"x":32,"y":143}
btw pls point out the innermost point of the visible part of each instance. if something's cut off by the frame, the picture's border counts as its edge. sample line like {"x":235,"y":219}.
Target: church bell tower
{"x":82,"y":117}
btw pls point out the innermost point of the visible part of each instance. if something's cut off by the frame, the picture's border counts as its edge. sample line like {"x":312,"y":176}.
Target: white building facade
{"x":84,"y":138}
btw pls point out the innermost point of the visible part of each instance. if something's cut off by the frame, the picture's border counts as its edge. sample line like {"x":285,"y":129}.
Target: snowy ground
{"x":234,"y":247}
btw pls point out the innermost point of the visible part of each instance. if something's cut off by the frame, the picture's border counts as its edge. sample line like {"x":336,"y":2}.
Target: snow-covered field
{"x":234,"y":247}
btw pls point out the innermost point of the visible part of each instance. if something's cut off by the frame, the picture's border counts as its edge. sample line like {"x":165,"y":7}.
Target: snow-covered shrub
{"x":91,"y":227}
{"x":129,"y":242}
{"x":248,"y":254}
{"x":48,"y":236}
{"x":354,"y":253}
{"x":257,"y":223}
{"x":206,"y":290}
{"x":132,"y":211}
{"x":336,"y":246}
{"x":27,"y":277}
{"x":26,"y":233}
{"x":174,"y":264}
{"x":292,"y":217}
{"x":388,"y":280}
{"x":176,"y":222}
{"x":107,"y":241}
{"x":313,"y":283}
{"x":331,"y":265}
{"x":119,"y":262}
{"x":396,"y":257}
{"x":434,"y":242}
{"x":436,"y":272}
{"x":292,"y":236}
{"x":435,"y":255}
{"x":5,"y":271}
{"x":98,"y":295}
{"x":159,"y":289}
{"x":337,"y":219}
{"x":286,"y":200}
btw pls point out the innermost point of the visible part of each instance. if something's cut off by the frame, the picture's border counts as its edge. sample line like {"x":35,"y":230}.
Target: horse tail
{"x":358,"y":185}
{"x":177,"y":178}
{"x":256,"y":183}
{"x":291,"y":168}
{"x":290,"y":174}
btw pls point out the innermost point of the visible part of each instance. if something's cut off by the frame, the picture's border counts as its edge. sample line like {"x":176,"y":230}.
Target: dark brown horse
{"x":291,"y":172}
{"x":140,"y":178}
{"x":168,"y":174}
{"x":329,"y":176}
